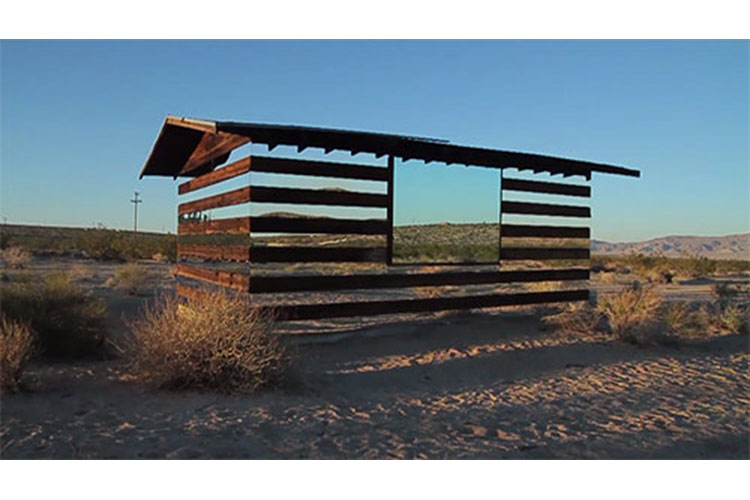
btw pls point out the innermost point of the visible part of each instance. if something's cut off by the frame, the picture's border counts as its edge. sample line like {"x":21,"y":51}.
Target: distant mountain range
{"x":735,"y":246}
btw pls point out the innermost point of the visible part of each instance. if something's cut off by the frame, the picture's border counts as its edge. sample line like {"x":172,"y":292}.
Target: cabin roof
{"x":190,"y":147}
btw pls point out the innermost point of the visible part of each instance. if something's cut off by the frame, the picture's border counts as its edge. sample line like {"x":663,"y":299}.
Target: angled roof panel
{"x":174,"y":155}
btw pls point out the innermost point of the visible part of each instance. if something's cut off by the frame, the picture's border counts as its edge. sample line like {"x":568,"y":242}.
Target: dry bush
{"x":680,"y":320}
{"x":16,"y":257}
{"x":217,"y":341}
{"x":631,"y":312}
{"x":734,"y":318}
{"x":16,"y":348}
{"x":132,"y":278}
{"x":576,"y":318}
{"x":66,"y":319}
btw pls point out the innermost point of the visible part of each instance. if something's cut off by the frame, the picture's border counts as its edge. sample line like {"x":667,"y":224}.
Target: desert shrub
{"x":16,"y":257}
{"x":734,"y":318}
{"x":66,"y":319}
{"x":576,"y":318}
{"x":699,"y":266}
{"x":216,"y":341}
{"x":681,"y":320}
{"x":107,"y":244}
{"x":132,"y":278}
{"x":99,"y":244}
{"x":16,"y":348}
{"x":631,"y":312}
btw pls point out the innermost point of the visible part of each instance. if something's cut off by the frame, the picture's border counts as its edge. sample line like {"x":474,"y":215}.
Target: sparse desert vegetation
{"x":15,"y":257}
{"x":132,"y":278}
{"x":16,"y":349}
{"x":631,"y":313}
{"x":96,"y":243}
{"x":639,"y":315}
{"x":437,"y":385}
{"x":660,"y":269}
{"x":217,"y":341}
{"x":67,"y":319}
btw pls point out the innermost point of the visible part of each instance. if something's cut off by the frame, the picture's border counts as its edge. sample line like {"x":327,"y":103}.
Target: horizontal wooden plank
{"x":532,"y":231}
{"x":275,"y":284}
{"x":542,"y":253}
{"x":219,"y":226}
{"x":215,"y":252}
{"x":318,"y":225}
{"x":234,"y":197}
{"x":235,"y":281}
{"x":545,"y":187}
{"x":317,"y":197}
{"x":373,"y":308}
{"x":263,"y":194}
{"x":263,"y":254}
{"x":522,"y":207}
{"x":318,"y":168}
{"x":230,"y":171}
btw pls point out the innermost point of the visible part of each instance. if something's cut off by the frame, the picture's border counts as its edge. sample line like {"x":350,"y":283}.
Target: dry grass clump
{"x":682,"y":320}
{"x":631,"y":313}
{"x":578,"y":318}
{"x":216,"y":341}
{"x":132,"y":278}
{"x":67,"y":320}
{"x":732,"y":318}
{"x":16,"y":348}
{"x":16,"y":257}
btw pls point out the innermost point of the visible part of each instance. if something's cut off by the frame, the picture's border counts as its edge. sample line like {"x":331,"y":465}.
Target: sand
{"x":451,"y":386}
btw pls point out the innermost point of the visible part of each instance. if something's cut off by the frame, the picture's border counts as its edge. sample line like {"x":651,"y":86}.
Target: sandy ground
{"x":482,"y":385}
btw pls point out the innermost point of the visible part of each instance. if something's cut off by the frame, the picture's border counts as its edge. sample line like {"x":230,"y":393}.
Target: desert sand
{"x":485,"y":385}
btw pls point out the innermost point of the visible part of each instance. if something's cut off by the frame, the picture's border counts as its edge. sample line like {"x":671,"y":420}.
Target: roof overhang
{"x":190,"y":147}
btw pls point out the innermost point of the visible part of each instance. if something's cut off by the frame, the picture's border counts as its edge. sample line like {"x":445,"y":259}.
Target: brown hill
{"x":735,"y":246}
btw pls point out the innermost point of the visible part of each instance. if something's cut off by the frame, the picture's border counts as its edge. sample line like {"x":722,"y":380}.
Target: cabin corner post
{"x":389,"y":216}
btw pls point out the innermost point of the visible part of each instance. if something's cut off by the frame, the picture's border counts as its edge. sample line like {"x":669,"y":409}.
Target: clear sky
{"x":79,"y":119}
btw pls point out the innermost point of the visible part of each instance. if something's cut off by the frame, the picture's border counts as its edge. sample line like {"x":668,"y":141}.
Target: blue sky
{"x":79,"y":118}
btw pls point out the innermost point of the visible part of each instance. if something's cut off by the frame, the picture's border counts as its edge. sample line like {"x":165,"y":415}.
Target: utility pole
{"x":135,"y":201}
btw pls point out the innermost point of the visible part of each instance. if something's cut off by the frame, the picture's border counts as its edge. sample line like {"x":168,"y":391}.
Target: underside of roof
{"x":190,"y":147}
